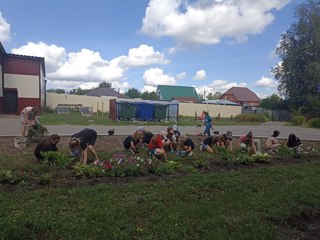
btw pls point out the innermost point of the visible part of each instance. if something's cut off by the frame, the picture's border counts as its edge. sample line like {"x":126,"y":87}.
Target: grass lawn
{"x":244,"y":204}
{"x":75,"y":118}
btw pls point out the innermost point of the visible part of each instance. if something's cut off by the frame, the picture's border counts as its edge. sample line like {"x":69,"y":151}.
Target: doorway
{"x":10,"y":99}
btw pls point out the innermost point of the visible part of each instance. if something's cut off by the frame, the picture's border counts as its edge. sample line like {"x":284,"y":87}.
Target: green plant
{"x":56,"y":161}
{"x":298,"y":120}
{"x":169,"y":167}
{"x":87,"y":171}
{"x":314,"y":122}
{"x":37,"y":130}
{"x":284,"y":153}
{"x":201,"y":164}
{"x":7,"y":176}
{"x":261,"y":157}
{"x":243,"y":158}
{"x":45,"y":179}
{"x":224,"y":154}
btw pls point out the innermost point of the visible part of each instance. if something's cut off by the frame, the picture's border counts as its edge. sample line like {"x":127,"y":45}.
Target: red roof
{"x":242,"y":94}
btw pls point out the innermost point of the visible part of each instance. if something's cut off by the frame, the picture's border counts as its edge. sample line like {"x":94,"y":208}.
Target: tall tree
{"x":272,"y":102}
{"x":133,"y":93}
{"x":149,"y":96}
{"x":299,"y":49}
{"x":78,"y":91}
{"x":105,"y":84}
{"x":215,"y":96}
{"x":58,"y":90}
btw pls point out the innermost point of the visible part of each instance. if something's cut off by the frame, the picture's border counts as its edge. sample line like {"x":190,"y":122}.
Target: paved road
{"x":10,"y":126}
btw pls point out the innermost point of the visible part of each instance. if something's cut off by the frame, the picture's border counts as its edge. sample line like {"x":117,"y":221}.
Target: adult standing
{"x":207,"y":122}
{"x":28,"y":118}
{"x":83,"y":142}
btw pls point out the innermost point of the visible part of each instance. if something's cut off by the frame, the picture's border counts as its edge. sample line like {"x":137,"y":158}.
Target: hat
{"x":229,"y":134}
{"x":206,"y":110}
{"x":216,"y":132}
{"x":163,"y":134}
{"x":175,"y":127}
{"x":140,"y":129}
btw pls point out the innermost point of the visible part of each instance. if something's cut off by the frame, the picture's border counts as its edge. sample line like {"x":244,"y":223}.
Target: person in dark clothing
{"x":46,"y":145}
{"x":147,"y":135}
{"x":208,"y":143}
{"x":132,"y":141}
{"x":186,"y":146}
{"x":82,"y":142}
{"x":293,"y":141}
{"x":226,"y":140}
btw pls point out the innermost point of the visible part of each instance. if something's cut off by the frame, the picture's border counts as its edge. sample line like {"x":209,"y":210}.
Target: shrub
{"x":314,"y":122}
{"x":45,"y":178}
{"x":251,"y":118}
{"x":201,"y":164}
{"x":298,"y":120}
{"x":224,"y":154}
{"x":56,"y":161}
{"x":261,"y":157}
{"x":13,"y":177}
{"x":169,"y":167}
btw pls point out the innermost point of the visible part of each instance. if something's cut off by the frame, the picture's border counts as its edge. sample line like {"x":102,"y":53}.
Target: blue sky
{"x":209,"y":44}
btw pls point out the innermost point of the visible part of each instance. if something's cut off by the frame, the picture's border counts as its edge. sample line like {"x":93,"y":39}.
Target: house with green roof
{"x":179,"y":93}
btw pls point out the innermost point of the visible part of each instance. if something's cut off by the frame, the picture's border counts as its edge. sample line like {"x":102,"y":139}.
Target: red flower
{"x":107,"y":165}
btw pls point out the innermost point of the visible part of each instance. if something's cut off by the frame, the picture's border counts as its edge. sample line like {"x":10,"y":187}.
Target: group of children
{"x":172,"y":141}
{"x":82,"y":143}
{"x":159,"y":144}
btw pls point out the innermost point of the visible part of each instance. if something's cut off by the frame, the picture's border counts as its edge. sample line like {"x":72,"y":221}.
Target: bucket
{"x":20,"y":142}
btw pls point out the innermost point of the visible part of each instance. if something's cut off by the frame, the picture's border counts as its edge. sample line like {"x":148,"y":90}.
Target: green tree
{"x":133,"y":93}
{"x":105,"y":84}
{"x":149,"y":96}
{"x":58,"y":90}
{"x":299,"y":49}
{"x":78,"y":91}
{"x":272,"y":102}
{"x":215,"y":96}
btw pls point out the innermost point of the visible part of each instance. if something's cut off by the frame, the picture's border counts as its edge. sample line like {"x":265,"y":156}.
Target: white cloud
{"x":206,"y":22}
{"x":54,"y":55}
{"x":181,"y":75}
{"x":200,"y":75}
{"x":266,"y":82}
{"x":5,"y":34}
{"x":87,"y":68}
{"x":263,"y":95}
{"x":156,"y":76}
{"x":144,"y":55}
{"x":219,"y":86}
{"x":147,"y":88}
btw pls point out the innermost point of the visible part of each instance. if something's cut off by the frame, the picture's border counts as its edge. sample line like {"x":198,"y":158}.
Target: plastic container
{"x":20,"y":142}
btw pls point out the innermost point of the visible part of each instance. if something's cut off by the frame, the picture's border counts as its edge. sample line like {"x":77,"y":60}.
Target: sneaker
{"x":201,"y":147}
{"x":190,"y":154}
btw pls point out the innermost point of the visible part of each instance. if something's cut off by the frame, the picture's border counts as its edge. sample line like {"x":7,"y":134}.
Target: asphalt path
{"x":10,"y":126}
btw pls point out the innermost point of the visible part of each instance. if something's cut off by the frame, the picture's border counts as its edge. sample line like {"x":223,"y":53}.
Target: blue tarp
{"x":144,"y":111}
